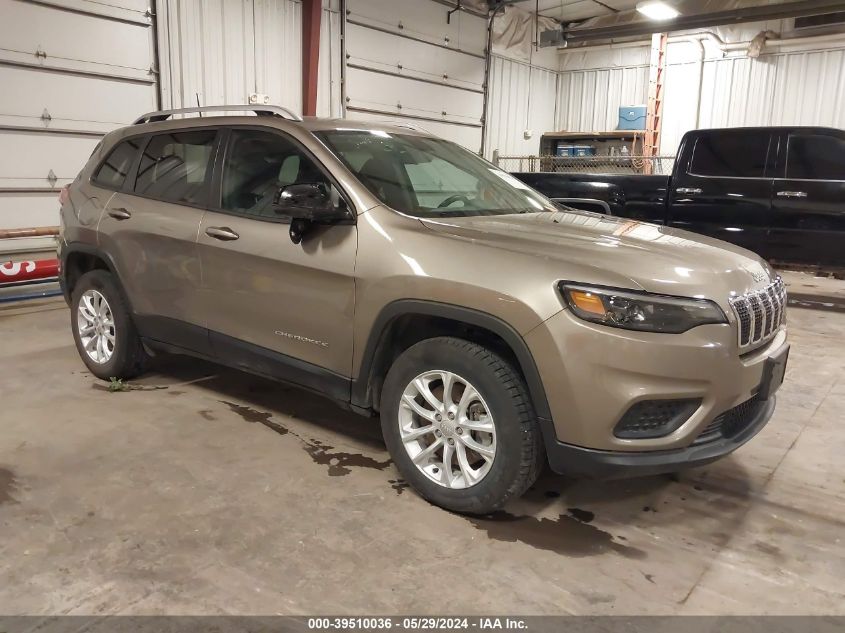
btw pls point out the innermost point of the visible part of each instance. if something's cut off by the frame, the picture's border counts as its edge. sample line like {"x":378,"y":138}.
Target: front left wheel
{"x":102,"y":326}
{"x":458,"y":422}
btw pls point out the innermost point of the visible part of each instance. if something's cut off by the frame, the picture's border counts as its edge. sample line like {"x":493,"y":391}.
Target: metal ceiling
{"x":697,"y":14}
{"x":577,"y":10}
{"x":568,"y":11}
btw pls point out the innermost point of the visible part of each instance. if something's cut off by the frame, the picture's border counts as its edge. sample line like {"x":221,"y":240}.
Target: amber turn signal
{"x":588,"y":302}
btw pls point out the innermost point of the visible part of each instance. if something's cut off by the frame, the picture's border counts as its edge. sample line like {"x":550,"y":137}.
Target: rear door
{"x":808,"y":217}
{"x":275,"y":307}
{"x":150,"y":230}
{"x":723,"y":186}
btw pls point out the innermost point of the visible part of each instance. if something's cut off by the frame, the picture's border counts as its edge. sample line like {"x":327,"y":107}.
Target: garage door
{"x":70,"y":70}
{"x":413,"y":65}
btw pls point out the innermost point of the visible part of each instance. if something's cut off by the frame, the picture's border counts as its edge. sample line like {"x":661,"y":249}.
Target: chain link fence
{"x":643,"y":165}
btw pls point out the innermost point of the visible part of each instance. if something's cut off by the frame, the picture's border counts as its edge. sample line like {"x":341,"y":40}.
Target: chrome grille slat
{"x":768,"y":313}
{"x":760,"y":313}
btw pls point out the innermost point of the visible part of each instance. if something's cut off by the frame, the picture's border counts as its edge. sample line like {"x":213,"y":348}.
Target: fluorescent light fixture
{"x":657,"y":10}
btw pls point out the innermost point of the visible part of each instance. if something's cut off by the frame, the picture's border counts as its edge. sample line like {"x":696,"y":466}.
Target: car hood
{"x":654,"y":258}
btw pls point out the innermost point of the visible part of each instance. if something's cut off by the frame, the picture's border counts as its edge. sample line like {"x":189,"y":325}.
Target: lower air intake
{"x":655,"y":418}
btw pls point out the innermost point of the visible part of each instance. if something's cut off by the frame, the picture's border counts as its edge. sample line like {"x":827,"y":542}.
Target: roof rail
{"x":260,"y":110}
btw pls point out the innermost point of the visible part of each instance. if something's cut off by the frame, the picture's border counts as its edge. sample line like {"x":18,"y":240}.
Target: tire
{"x":516,"y":440}
{"x":127,"y":358}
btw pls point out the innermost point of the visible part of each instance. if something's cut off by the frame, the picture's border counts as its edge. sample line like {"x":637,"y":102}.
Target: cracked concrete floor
{"x":225,"y":493}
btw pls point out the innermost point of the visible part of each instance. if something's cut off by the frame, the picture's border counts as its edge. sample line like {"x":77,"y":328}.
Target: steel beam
{"x":312,"y":13}
{"x":716,"y":18}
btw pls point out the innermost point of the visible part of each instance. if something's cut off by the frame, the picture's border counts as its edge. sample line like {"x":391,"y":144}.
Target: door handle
{"x":792,"y":194}
{"x":688,"y":190}
{"x":120,"y":213}
{"x":221,"y":233}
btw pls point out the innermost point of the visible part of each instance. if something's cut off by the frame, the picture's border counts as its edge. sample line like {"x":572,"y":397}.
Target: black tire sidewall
{"x":122,"y":361}
{"x":497,"y":486}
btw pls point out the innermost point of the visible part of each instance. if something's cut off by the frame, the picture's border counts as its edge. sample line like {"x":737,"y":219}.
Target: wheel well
{"x":77,"y":264}
{"x":409,"y":329}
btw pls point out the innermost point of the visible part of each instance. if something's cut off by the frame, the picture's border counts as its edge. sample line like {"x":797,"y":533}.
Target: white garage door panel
{"x":26,"y":158}
{"x":384,"y":51}
{"x":70,"y":71}
{"x":383,"y":92}
{"x":110,"y":46}
{"x":423,"y":19}
{"x":24,"y":210}
{"x":73,"y":101}
{"x":129,"y":10}
{"x":409,"y":63}
{"x":466,"y":136}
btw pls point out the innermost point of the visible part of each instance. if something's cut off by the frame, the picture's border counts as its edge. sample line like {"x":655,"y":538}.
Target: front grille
{"x":655,"y":418}
{"x":731,"y":423}
{"x":760,"y":313}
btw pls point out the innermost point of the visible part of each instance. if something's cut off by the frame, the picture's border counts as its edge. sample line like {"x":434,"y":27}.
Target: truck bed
{"x":639,"y":197}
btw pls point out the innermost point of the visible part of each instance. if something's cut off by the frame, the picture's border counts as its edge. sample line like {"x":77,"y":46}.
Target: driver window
{"x":438,"y":181}
{"x":257,"y":165}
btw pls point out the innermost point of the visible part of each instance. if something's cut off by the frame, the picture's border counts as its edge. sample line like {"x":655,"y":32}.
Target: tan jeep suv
{"x":402,"y":275}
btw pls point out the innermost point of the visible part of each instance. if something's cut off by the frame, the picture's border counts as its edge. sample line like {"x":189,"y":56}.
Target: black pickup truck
{"x":778,"y":191}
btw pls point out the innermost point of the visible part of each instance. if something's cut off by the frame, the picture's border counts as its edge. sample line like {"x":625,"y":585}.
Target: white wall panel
{"x":589,"y":101}
{"x":223,"y":50}
{"x":521,"y":98}
{"x":795,"y":88}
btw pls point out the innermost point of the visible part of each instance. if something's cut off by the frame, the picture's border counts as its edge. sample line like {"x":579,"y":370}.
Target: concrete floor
{"x":224,"y":493}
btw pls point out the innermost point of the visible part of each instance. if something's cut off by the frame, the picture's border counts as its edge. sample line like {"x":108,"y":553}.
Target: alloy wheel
{"x":95,"y":324}
{"x":447,"y":429}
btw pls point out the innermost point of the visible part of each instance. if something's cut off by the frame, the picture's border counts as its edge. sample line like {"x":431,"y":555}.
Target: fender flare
{"x":361,"y":386}
{"x":87,"y":249}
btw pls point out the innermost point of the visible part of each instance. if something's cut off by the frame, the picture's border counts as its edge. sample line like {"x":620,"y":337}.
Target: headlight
{"x":639,"y":310}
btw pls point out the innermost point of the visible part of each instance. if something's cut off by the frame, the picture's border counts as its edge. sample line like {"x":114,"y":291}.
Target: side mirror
{"x":306,"y":204}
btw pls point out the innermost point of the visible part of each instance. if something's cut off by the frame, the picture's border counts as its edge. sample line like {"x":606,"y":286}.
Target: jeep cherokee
{"x":402,"y":275}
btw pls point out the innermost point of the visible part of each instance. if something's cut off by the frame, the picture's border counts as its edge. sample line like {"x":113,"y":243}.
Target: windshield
{"x":429,"y":177}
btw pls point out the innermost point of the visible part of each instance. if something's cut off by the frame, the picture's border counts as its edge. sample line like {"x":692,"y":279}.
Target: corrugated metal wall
{"x":521,"y":98}
{"x":224,"y":50}
{"x":796,"y":88}
{"x":793,"y":87}
{"x":589,"y":100}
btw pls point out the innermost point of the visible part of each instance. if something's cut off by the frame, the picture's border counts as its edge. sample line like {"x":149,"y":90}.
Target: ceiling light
{"x":657,"y":10}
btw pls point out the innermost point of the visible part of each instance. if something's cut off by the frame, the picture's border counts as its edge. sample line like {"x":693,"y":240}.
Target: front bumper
{"x":592,"y":375}
{"x":589,"y":463}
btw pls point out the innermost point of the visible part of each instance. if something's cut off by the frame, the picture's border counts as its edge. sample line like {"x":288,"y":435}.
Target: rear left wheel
{"x":105,"y":335}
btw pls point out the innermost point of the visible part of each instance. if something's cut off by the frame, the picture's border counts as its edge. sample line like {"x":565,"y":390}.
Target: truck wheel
{"x":103,"y":330}
{"x":459,"y":425}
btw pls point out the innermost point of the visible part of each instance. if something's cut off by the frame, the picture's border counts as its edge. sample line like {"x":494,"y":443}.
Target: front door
{"x":150,"y":228}
{"x":725,"y":189}
{"x":808,"y":218}
{"x":275,"y":307}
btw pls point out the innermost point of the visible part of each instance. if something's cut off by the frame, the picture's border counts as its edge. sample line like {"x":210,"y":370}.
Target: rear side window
{"x":176,"y":167}
{"x":112,"y":173}
{"x":815,"y":157}
{"x":731,"y":154}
